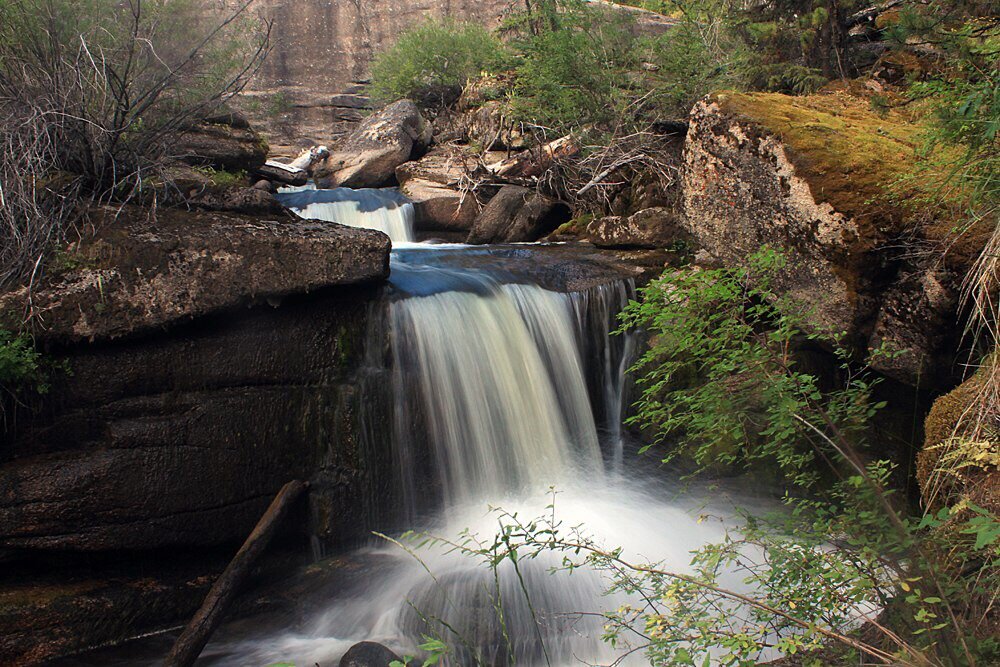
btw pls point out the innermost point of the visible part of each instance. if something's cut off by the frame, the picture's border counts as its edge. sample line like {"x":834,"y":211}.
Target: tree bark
{"x":197,"y":633}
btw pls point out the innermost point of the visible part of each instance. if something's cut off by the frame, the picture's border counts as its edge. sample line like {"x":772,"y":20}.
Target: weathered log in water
{"x":197,"y":633}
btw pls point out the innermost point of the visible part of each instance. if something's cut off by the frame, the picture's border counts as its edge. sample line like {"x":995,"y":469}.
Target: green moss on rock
{"x":867,"y":164}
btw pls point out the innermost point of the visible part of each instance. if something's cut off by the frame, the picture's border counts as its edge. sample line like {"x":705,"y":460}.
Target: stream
{"x":505,"y":394}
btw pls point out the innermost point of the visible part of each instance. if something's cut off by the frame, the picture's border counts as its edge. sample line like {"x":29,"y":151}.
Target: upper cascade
{"x":385,"y":210}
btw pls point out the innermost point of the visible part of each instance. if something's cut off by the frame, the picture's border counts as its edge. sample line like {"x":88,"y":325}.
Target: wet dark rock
{"x":517,"y":214}
{"x":368,"y":654}
{"x":183,"y":438}
{"x":136,"y":276}
{"x":368,"y":156}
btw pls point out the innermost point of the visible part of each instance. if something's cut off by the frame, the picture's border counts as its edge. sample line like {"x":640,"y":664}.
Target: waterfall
{"x":388,"y":211}
{"x":482,"y":390}
{"x":502,"y":387}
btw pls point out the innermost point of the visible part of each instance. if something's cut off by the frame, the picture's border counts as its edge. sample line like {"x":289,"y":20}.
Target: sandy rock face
{"x":368,"y":156}
{"x":743,"y":189}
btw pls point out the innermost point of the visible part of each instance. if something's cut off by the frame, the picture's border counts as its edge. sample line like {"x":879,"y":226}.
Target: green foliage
{"x":965,"y":93}
{"x":434,"y":648}
{"x":575,"y":64}
{"x":21,"y":365}
{"x":720,"y":381}
{"x":689,"y":67}
{"x":437,"y":54}
{"x":224,"y":179}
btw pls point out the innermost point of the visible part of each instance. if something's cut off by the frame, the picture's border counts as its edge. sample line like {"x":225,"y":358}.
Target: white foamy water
{"x":384,"y":210}
{"x":497,"y":374}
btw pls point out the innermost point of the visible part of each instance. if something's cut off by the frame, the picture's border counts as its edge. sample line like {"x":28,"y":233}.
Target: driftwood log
{"x":197,"y":633}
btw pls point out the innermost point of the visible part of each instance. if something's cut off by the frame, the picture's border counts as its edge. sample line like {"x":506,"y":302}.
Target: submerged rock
{"x":135,"y":276}
{"x":368,"y":156}
{"x":518,"y":214}
{"x":368,"y":654}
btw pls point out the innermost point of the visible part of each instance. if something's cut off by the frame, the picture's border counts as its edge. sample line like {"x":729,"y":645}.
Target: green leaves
{"x":721,"y":382}
{"x":434,"y":55}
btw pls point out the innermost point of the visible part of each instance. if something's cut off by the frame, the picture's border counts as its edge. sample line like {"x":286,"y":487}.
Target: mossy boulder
{"x":960,"y":459}
{"x":828,"y":180}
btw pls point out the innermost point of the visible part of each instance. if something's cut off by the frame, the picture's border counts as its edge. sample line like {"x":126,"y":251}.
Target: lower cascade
{"x":506,"y":395}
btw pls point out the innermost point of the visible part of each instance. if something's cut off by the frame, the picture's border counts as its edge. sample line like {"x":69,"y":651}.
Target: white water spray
{"x":384,"y":210}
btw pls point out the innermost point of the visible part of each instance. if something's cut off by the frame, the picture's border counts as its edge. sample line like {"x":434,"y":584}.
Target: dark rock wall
{"x":183,"y":438}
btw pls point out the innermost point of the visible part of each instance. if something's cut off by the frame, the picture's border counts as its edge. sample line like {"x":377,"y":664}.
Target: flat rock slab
{"x":138,"y":275}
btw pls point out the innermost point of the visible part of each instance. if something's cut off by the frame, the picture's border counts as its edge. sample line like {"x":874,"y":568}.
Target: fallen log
{"x":192,"y":641}
{"x":535,"y":161}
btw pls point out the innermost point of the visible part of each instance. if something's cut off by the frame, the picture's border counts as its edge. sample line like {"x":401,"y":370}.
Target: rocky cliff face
{"x":323,"y":49}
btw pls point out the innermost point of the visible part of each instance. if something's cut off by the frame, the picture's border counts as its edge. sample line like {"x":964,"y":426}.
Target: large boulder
{"x":517,"y":214}
{"x":136,"y":276}
{"x":433,"y":185}
{"x":658,"y":227}
{"x":368,"y":156}
{"x":959,"y":459}
{"x":812,"y":176}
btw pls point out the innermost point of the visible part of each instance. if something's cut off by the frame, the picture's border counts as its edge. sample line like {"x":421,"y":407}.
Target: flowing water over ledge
{"x":502,"y":384}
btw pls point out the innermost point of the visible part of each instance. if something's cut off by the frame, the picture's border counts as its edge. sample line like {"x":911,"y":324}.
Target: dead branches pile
{"x":586,"y":175}
{"x":91,"y":95}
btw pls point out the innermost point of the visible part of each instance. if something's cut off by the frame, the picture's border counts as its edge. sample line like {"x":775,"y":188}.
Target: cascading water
{"x":388,"y":211}
{"x":510,"y":390}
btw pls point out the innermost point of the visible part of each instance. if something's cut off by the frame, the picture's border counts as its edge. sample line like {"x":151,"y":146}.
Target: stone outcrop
{"x":226,"y":143}
{"x":368,"y":156}
{"x":518,"y":214}
{"x":432,"y":184}
{"x":809,"y":176}
{"x":648,"y":228}
{"x":368,"y":654}
{"x":134,"y":276}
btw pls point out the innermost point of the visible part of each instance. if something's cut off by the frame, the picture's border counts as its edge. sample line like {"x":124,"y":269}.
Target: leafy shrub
{"x":20,"y":363}
{"x":575,"y":66}
{"x":688,"y":67}
{"x":433,"y":56}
